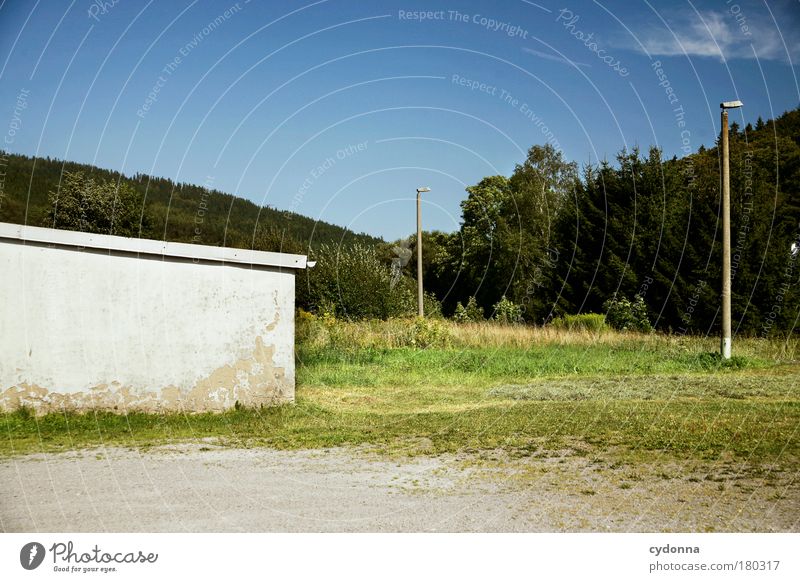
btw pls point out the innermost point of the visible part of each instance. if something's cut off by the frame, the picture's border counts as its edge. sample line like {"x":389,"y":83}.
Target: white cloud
{"x":720,"y":34}
{"x":554,"y":57}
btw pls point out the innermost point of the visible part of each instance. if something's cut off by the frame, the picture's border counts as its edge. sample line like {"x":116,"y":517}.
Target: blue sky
{"x":339,"y":109}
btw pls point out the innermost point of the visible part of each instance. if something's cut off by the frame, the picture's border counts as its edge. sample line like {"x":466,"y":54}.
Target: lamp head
{"x":730,"y":104}
{"x":423,"y":189}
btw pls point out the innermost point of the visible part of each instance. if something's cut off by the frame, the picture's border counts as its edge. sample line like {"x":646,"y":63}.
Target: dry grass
{"x":399,"y":333}
{"x":489,"y":334}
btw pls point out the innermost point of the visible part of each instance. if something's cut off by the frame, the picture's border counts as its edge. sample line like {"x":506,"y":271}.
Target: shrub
{"x":427,"y":333}
{"x":460,"y":314}
{"x":432,"y":306}
{"x":506,"y":311}
{"x":626,"y":315}
{"x":471,"y":313}
{"x":103,"y":207}
{"x":308,"y":328}
{"x":353,"y":283}
{"x":594,"y":322}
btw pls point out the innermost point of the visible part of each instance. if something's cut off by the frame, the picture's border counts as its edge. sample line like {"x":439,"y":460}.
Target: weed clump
{"x":471,"y":313}
{"x":592,"y":322}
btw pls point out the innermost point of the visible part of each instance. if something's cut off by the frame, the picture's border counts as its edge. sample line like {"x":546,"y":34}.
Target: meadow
{"x":429,"y":387}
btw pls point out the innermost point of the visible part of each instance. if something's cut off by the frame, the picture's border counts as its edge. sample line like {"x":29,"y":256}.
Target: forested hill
{"x":553,"y":239}
{"x":173,"y":211}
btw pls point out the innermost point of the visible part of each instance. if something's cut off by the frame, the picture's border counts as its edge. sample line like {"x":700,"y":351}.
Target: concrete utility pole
{"x":725,"y":348}
{"x":420,"y":305}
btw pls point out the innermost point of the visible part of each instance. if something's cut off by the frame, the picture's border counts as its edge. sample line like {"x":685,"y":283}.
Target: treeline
{"x":638,"y":239}
{"x":557,"y":240}
{"x":152,"y":207}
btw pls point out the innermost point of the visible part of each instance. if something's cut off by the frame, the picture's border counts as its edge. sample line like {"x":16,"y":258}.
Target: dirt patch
{"x":203,"y":487}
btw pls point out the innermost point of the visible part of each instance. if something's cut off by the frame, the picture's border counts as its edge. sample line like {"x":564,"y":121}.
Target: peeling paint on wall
{"x":253,"y":381}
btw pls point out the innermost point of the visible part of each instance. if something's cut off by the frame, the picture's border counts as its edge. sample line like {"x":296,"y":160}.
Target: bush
{"x":471,"y":313}
{"x":427,"y":333}
{"x":626,"y":315}
{"x":308,"y":328}
{"x":353,"y":283}
{"x":431,"y":305}
{"x":506,"y":311}
{"x":594,"y":322}
{"x":103,"y":207}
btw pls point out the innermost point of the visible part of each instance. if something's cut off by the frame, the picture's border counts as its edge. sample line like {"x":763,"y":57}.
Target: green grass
{"x":477,"y":366}
{"x":762,"y":430}
{"x":634,"y":394}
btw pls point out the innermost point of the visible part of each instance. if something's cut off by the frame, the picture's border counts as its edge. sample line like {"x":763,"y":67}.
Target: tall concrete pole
{"x":420,"y":306}
{"x":726,"y":240}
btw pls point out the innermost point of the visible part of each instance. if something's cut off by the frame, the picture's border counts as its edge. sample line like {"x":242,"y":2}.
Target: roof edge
{"x":145,"y":246}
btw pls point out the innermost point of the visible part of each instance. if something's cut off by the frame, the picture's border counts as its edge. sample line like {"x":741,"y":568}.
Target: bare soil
{"x":203,"y":487}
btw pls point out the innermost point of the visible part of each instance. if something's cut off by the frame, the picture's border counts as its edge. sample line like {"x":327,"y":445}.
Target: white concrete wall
{"x":84,"y":328}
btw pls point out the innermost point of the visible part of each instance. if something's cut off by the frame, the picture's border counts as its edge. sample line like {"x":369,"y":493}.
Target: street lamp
{"x":725,"y":347}
{"x":420,"y":307}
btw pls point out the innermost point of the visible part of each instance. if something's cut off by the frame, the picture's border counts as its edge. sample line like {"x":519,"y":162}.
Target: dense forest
{"x":549,"y":241}
{"x":557,"y":240}
{"x":157,"y":208}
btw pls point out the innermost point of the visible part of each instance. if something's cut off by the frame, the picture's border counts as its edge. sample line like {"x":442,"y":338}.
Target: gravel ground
{"x":206,"y":488}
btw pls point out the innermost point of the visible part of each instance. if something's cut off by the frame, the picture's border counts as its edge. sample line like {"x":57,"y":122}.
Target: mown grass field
{"x":483,"y":387}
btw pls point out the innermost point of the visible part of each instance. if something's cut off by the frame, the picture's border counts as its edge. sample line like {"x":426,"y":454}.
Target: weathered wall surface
{"x":86,"y":328}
